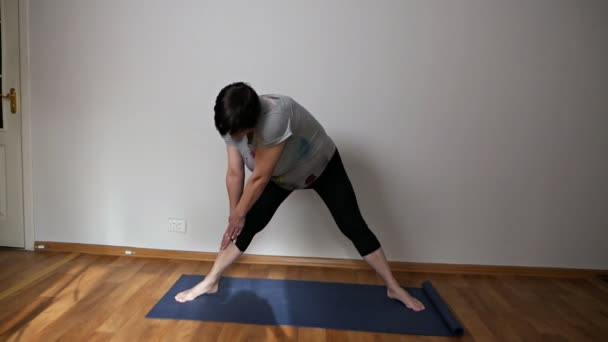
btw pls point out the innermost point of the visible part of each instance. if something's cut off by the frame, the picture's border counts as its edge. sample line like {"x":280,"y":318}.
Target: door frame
{"x":26,"y":124}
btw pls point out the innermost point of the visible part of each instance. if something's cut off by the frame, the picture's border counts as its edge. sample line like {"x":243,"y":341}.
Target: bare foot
{"x":200,"y":289}
{"x":401,"y":295}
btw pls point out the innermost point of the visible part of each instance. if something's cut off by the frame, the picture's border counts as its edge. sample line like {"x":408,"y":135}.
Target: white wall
{"x":474,"y":131}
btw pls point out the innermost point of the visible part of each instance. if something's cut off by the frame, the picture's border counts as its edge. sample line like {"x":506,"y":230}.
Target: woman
{"x":286,"y":149}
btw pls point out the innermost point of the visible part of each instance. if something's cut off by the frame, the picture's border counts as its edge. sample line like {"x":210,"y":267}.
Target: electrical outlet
{"x":177,"y":225}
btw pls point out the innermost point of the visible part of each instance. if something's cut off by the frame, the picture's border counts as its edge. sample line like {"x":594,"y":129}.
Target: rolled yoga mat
{"x":314,"y":304}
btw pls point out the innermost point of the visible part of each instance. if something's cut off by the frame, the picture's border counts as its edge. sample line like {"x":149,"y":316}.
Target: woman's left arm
{"x":266,"y":158}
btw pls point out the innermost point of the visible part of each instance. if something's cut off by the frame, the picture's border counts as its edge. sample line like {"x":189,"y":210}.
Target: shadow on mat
{"x":254,"y":306}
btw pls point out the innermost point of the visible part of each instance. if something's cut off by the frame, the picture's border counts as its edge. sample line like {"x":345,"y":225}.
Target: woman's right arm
{"x":235,"y":176}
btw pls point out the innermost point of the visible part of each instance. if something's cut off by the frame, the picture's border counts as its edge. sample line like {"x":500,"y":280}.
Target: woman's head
{"x":237,"y":109}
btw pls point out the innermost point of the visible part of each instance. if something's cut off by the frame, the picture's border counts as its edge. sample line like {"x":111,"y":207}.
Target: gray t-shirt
{"x":308,"y":148}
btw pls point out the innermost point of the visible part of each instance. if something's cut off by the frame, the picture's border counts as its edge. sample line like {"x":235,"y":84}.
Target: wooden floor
{"x":77,"y":297}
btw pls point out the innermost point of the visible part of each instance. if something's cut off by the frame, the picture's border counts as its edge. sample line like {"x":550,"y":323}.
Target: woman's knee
{"x":253,"y":225}
{"x":368,"y":246}
{"x":359,"y":233}
{"x":242,"y":243}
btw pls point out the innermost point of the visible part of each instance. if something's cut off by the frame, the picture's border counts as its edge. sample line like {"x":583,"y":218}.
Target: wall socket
{"x":177,"y":225}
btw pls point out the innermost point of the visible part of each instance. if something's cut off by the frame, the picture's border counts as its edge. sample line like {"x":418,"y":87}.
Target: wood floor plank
{"x":42,"y":315}
{"x":112,"y":302}
{"x":76,"y":320}
{"x":208,"y":331}
{"x":106,"y":298}
{"x":130,"y":321}
{"x":247,"y":332}
{"x":312,"y":334}
{"x":17,"y":313}
{"x":33,"y":276}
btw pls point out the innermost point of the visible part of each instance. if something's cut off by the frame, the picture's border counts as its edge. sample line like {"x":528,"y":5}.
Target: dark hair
{"x":237,"y":108}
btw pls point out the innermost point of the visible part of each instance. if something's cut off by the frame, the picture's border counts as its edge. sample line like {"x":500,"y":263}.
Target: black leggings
{"x":335,"y":189}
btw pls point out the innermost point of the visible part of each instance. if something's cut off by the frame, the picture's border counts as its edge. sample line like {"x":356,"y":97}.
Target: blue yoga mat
{"x":310,"y":304}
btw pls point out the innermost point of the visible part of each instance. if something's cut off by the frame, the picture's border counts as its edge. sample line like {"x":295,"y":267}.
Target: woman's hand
{"x":265,"y":161}
{"x":236,"y":223}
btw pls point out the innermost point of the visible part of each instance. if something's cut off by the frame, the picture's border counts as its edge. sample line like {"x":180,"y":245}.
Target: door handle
{"x":12,"y":96}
